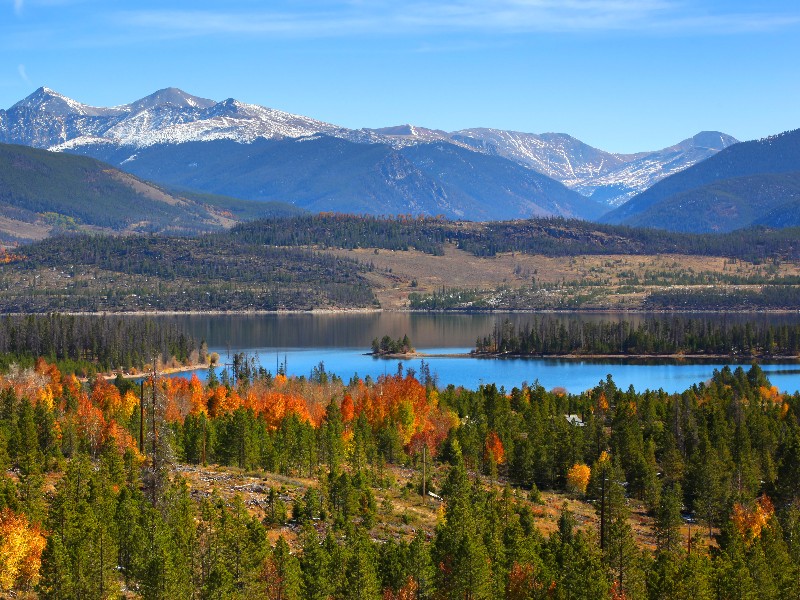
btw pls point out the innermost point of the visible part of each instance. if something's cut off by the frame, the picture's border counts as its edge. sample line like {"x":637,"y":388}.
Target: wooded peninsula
{"x":653,"y":336}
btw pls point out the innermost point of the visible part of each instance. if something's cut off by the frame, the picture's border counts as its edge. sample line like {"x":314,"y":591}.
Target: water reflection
{"x":341,"y":340}
{"x":426,"y":330}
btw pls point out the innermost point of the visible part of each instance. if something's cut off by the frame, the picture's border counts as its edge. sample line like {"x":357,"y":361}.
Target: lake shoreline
{"x":144,"y":374}
{"x":359,"y":311}
{"x":574,"y":356}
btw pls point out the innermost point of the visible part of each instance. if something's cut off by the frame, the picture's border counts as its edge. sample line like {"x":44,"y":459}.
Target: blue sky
{"x":622,"y":75}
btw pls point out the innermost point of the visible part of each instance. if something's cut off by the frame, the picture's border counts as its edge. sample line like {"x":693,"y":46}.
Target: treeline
{"x":386,"y":345}
{"x":769,"y":297}
{"x":546,"y":236}
{"x":426,"y":234}
{"x":121,"y":518}
{"x":652,"y":336}
{"x":94,"y":343}
{"x":564,"y":237}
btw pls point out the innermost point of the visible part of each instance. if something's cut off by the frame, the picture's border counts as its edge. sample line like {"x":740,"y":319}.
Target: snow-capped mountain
{"x":47,"y":119}
{"x":609,"y":178}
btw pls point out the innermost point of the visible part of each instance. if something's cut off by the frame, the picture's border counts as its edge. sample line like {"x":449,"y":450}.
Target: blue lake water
{"x":340,"y":342}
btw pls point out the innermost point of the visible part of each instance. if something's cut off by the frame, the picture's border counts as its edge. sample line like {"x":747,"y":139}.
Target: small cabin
{"x":575,"y":420}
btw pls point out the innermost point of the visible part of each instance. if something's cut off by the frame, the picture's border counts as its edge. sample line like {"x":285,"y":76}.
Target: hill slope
{"x":45,"y":192}
{"x":767,"y":199}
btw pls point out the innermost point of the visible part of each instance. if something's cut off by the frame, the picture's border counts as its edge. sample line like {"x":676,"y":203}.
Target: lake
{"x":341,"y":341}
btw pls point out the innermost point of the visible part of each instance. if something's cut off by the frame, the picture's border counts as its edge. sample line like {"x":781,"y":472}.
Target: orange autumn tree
{"x":396,"y":400}
{"x":53,"y":387}
{"x":197,"y":396}
{"x":179,"y":398}
{"x":91,"y":423}
{"x":273,"y":404}
{"x":439,"y":424}
{"x":106,"y":396}
{"x":493,"y":448}
{"x":771,"y":394}
{"x":21,"y":546}
{"x":348,"y":408}
{"x":749,"y":521}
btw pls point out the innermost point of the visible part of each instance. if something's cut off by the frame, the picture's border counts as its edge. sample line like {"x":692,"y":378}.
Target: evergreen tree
{"x":315,"y":565}
{"x":668,"y":519}
{"x":458,"y":549}
{"x":280,"y":576}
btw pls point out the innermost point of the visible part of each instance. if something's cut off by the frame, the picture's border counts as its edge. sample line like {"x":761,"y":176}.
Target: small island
{"x":389,"y":348}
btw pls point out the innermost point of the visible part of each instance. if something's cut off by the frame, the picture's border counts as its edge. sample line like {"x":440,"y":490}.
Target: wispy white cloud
{"x":23,"y":74}
{"x":382,"y":17}
{"x":18,"y":6}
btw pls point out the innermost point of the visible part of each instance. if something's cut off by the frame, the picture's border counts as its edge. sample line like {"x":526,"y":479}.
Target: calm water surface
{"x":340,"y":341}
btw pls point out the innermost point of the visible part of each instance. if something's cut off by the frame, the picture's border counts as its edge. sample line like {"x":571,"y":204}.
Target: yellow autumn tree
{"x":749,"y":521}
{"x":21,"y":546}
{"x":578,"y":478}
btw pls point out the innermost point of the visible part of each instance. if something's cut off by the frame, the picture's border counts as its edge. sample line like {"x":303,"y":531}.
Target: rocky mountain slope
{"x":328,"y":174}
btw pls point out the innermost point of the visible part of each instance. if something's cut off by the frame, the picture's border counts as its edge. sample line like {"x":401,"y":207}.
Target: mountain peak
{"x":714,"y":140}
{"x":170,"y":96}
{"x":49,"y":101}
{"x":41,"y":97}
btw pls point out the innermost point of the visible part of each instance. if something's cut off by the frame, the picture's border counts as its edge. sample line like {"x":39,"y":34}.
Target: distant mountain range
{"x":751,"y":183}
{"x":258,"y":153}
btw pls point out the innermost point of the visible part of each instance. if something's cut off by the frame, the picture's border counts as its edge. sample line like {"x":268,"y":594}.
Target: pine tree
{"x":315,"y":566}
{"x":458,"y":550}
{"x":668,"y":519}
{"x":361,"y":574}
{"x":280,"y":577}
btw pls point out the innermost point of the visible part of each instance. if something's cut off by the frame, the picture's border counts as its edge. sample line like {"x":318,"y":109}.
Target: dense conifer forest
{"x":689,"y":495}
{"x":87,"y":344}
{"x":88,"y":273}
{"x":656,"y":335}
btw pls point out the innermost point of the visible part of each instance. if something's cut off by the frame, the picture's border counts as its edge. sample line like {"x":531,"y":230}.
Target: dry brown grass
{"x":395,"y":270}
{"x":419,"y":515}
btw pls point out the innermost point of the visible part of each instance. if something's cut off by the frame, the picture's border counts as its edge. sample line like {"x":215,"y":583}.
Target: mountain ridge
{"x":172,"y":115}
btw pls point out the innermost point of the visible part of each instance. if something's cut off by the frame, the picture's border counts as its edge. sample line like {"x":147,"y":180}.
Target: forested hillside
{"x":337,"y":261}
{"x":105,"y":494}
{"x":549,"y":237}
